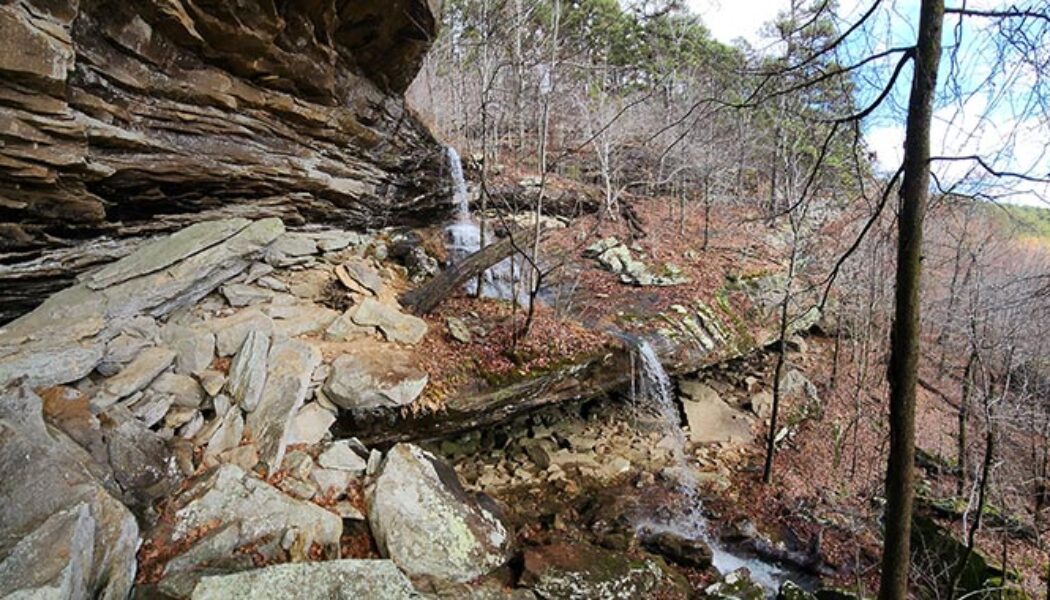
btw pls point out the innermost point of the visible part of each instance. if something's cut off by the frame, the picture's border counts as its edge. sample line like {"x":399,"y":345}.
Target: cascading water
{"x":651,"y":390}
{"x":464,"y":239}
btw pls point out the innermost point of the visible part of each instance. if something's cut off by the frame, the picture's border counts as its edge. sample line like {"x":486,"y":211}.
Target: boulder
{"x":350,"y":578}
{"x":425,"y":522}
{"x":62,"y":533}
{"x":289,"y":366}
{"x":247,"y":376}
{"x":374,"y":380}
{"x":683,"y":550}
{"x":310,"y":424}
{"x":142,"y":463}
{"x":709,"y":418}
{"x":581,"y":572}
{"x":228,"y":495}
{"x":395,"y":325}
{"x":341,"y":457}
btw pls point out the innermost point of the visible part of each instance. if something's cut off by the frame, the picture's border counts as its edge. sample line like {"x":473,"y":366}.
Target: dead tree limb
{"x":426,"y":297}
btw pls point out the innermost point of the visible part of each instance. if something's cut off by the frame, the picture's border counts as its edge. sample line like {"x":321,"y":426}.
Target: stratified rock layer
{"x":130,"y":117}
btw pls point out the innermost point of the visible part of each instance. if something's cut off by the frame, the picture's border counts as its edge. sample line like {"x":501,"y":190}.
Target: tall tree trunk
{"x":964,"y":416}
{"x":982,"y":500}
{"x":904,"y":353}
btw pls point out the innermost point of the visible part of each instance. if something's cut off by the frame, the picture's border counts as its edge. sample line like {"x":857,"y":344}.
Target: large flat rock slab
{"x":373,"y":579}
{"x":65,"y":338}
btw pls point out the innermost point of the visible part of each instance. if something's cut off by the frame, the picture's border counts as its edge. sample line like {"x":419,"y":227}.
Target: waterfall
{"x":460,"y":195}
{"x":464,"y":239}
{"x":652,"y":391}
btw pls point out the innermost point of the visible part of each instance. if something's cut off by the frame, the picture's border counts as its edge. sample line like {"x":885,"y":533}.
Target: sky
{"x":991,"y":123}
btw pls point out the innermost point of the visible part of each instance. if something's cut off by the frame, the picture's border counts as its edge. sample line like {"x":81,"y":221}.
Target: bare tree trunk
{"x":904,"y":353}
{"x":778,"y":371}
{"x":964,"y":416}
{"x":982,"y":496}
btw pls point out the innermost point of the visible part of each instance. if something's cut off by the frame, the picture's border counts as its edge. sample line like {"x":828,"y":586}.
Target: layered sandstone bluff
{"x":125,"y":118}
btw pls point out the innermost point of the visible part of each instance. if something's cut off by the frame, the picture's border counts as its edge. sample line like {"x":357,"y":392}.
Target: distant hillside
{"x":1031,"y":221}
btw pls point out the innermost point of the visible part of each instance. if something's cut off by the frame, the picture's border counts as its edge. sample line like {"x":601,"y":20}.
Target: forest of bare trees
{"x":934,"y":286}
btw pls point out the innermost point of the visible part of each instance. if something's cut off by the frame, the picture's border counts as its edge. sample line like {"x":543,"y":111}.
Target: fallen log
{"x":426,"y":297}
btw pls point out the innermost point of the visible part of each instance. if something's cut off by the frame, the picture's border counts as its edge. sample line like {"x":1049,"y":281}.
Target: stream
{"x":653,"y":393}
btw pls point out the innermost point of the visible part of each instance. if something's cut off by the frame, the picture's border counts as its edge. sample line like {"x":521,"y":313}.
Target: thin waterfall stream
{"x":653,"y":392}
{"x":502,"y":280}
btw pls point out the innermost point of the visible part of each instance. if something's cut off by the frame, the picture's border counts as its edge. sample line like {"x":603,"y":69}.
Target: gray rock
{"x":141,"y":460}
{"x":64,"y":338}
{"x":347,"y":511}
{"x":192,"y":428}
{"x":120,"y":351}
{"x":762,"y":404}
{"x":344,"y":327}
{"x":63,"y":534}
{"x":424,"y":521}
{"x":332,"y":483}
{"x":374,"y":381}
{"x":375,"y":461}
{"x":395,"y":325}
{"x":333,"y":241}
{"x":194,"y":351}
{"x":178,"y":416}
{"x":363,"y":274}
{"x":300,"y":319}
{"x":311,"y":424}
{"x":290,"y":249}
{"x":244,"y":456}
{"x":710,"y":419}
{"x":458,"y":330}
{"x":614,"y":256}
{"x":166,"y":252}
{"x":303,"y":489}
{"x":247,"y":377}
{"x":580,"y":571}
{"x":298,"y":464}
{"x":241,"y":294}
{"x":289,"y":365}
{"x":227,"y":435}
{"x":340,"y":456}
{"x":350,"y":578}
{"x":184,"y":390}
{"x":231,"y":331}
{"x":216,"y":544}
{"x":229,"y":495}
{"x":211,"y":381}
{"x":272,"y":283}
{"x":135,"y":376}
{"x":150,"y":408}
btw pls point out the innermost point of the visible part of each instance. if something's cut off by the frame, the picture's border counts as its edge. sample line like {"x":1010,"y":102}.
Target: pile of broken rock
{"x":164,"y":429}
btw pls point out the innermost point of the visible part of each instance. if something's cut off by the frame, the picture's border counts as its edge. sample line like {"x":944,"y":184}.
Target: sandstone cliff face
{"x":117,"y":117}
